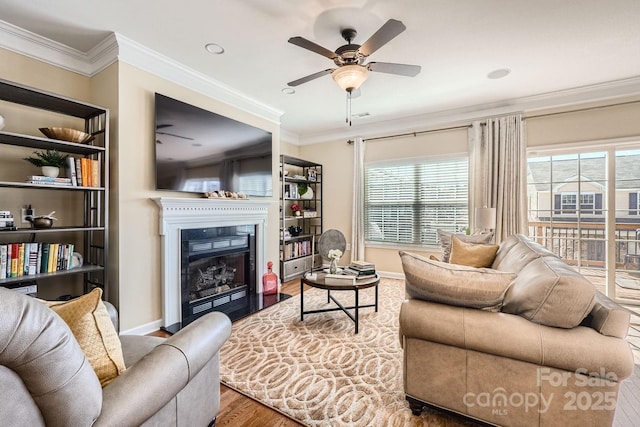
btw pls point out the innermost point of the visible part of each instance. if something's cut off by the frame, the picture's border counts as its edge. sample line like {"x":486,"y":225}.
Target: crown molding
{"x":464,"y":115}
{"x":153,"y":62}
{"x":117,"y":47}
{"x":35,"y":46}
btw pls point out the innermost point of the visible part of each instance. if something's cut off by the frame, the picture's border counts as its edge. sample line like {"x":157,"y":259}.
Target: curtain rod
{"x":524,"y":118}
{"x":598,"y":107}
{"x":412,"y":133}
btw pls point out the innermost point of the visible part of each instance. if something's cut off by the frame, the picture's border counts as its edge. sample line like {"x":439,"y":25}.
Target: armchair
{"x":45,"y":378}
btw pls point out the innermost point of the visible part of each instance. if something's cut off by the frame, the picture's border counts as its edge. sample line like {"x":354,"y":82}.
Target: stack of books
{"x":361,"y":270}
{"x":45,"y":180}
{"x":6,"y":221}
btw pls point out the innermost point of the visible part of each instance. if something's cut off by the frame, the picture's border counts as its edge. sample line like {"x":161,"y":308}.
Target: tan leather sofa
{"x":518,"y":366}
{"x":45,"y":378}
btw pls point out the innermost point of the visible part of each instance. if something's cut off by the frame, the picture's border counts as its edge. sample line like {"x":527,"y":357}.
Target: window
{"x":590,"y":203}
{"x":634,"y":203}
{"x":568,"y":204}
{"x":407,"y":202}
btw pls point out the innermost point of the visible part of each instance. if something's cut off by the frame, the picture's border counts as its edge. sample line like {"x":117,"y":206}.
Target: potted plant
{"x":50,"y":161}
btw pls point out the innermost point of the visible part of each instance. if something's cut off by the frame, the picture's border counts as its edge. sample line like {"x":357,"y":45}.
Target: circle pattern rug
{"x":318,"y":371}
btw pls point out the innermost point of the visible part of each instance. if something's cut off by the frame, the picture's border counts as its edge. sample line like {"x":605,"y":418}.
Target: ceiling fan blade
{"x":313,"y":47}
{"x":310,"y":77}
{"x":391,"y":68}
{"x":384,"y":35}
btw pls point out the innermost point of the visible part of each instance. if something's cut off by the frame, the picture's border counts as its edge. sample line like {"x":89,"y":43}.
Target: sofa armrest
{"x":608,"y":318}
{"x":154,"y":380}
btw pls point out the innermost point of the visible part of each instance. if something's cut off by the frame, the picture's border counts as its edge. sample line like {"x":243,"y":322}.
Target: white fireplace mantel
{"x":176,"y":214}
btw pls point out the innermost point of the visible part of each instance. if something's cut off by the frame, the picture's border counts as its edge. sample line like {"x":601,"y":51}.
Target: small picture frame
{"x":312,"y":175}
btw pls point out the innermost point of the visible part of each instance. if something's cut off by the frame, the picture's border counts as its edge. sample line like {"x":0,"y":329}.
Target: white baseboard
{"x":391,"y":275}
{"x":144,"y":329}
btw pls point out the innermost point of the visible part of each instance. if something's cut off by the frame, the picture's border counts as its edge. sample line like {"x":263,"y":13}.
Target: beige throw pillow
{"x":453,"y":284}
{"x":472,"y":254}
{"x":89,"y":321}
{"x":445,"y":241}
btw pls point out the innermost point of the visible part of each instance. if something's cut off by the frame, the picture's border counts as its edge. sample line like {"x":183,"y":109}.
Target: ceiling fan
{"x":163,"y":126}
{"x":350,"y":58}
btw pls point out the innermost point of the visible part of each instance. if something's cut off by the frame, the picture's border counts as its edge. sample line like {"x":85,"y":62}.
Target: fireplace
{"x":231,"y":219}
{"x":217,"y":270}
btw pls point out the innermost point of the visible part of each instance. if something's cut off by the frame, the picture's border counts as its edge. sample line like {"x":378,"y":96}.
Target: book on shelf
{"x":71,"y":170}
{"x":3,"y":261}
{"x":79,"y":172}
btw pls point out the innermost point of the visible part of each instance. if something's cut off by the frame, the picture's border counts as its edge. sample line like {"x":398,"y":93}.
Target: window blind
{"x":407,"y":202}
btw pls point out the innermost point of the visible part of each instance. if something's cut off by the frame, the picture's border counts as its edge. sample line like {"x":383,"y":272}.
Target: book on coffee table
{"x":339,"y":279}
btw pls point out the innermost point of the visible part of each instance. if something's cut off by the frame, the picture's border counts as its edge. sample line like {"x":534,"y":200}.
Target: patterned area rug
{"x":318,"y":371}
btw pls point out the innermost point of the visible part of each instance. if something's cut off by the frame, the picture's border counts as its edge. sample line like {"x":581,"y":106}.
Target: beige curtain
{"x":357,"y":218}
{"x":498,"y":173}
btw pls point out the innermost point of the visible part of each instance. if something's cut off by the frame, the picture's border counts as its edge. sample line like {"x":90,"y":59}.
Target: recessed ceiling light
{"x":360,"y":115}
{"x":288,"y":90}
{"x":499,"y":73}
{"x":214,"y":48}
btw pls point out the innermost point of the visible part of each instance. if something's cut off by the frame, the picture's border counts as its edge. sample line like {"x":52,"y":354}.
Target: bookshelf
{"x":90,"y":236}
{"x":300,"y":185}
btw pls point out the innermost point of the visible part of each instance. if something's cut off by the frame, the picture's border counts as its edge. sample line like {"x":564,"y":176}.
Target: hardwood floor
{"x":238,"y":410}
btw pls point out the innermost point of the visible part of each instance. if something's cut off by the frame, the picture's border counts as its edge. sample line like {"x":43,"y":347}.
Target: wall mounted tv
{"x":200,"y":151}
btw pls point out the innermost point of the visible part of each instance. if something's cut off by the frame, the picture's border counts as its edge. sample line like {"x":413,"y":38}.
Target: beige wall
{"x":138,"y":248}
{"x":622,"y":121}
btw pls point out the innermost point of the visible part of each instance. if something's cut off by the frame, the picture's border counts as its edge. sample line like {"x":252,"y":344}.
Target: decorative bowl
{"x":67,"y":134}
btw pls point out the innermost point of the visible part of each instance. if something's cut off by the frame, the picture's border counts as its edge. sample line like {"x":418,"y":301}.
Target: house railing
{"x":584,"y":244}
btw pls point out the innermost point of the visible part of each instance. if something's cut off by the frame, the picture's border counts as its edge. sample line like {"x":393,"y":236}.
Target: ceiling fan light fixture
{"x":350,"y":77}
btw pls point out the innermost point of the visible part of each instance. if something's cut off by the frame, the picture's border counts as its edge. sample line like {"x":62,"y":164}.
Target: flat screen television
{"x":200,"y":151}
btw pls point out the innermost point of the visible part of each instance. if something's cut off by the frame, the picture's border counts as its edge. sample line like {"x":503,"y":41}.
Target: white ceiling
{"x":548,"y":45}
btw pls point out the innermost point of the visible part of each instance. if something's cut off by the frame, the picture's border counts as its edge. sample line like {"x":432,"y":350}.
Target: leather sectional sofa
{"x":552,"y":352}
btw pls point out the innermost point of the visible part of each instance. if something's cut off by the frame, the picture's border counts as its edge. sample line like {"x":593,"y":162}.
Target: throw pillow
{"x":453,"y":284}
{"x":471,"y":254}
{"x":445,"y":241}
{"x":89,"y":321}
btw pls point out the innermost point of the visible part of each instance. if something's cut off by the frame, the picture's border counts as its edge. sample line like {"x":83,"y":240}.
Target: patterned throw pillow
{"x":472,"y":254}
{"x":89,"y":321}
{"x":445,"y":241}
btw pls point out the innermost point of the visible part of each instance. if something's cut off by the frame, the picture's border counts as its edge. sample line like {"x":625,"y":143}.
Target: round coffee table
{"x":319,"y":283}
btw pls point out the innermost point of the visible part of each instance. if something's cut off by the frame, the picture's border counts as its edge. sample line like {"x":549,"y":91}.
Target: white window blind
{"x":407,"y":202}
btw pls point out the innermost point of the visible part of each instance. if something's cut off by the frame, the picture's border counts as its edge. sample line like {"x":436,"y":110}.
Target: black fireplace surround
{"x":217,"y":270}
{"x":218,"y":273}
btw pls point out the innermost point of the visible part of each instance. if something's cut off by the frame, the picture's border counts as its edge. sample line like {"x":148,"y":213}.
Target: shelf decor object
{"x":67,"y":134}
